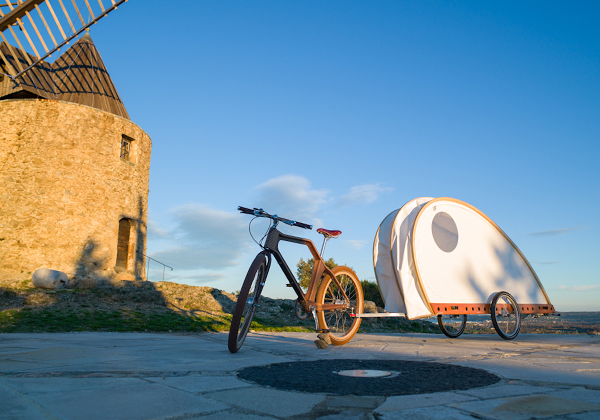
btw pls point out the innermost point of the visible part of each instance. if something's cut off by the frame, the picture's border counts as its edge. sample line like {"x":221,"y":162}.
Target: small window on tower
{"x":126,"y":150}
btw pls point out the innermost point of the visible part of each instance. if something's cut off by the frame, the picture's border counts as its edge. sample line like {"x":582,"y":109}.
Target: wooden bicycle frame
{"x":307,"y":300}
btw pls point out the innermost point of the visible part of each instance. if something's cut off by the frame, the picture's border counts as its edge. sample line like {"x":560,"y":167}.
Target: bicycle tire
{"x":342,"y":327}
{"x":449,"y":329}
{"x":247,"y":302}
{"x":513,"y":317}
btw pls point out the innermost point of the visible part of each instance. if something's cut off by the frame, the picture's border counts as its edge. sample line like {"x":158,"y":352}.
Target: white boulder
{"x":44,"y":278}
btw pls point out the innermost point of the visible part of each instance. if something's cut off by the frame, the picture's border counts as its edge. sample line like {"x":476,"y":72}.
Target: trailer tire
{"x":506,"y":315}
{"x":452,"y":330}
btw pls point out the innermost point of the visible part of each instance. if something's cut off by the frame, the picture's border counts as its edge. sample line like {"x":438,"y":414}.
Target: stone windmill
{"x":74,"y":168}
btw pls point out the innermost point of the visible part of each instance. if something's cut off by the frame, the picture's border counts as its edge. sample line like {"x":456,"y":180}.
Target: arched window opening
{"x":123,"y":244}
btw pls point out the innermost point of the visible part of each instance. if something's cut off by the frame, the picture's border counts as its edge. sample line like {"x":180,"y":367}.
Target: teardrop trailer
{"x":443,"y":257}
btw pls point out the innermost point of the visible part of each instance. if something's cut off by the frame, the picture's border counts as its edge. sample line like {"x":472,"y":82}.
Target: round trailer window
{"x":444,"y":231}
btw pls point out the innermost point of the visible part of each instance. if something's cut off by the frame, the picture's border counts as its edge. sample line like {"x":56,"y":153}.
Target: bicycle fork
{"x":258,"y":292}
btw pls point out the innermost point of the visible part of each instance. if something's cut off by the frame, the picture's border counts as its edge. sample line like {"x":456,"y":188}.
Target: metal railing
{"x":148,"y":264}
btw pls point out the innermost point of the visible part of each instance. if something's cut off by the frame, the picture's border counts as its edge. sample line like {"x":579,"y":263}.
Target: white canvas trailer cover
{"x":443,"y":255}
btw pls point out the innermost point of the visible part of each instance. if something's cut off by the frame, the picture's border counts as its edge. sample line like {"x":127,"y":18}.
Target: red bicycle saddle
{"x":329,"y":233}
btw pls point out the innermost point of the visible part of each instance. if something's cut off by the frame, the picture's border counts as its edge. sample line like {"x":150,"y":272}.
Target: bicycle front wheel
{"x":247,"y":302}
{"x":340,"y":324}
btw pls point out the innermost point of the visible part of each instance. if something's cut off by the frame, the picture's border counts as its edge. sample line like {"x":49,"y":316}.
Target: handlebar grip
{"x":245,"y":210}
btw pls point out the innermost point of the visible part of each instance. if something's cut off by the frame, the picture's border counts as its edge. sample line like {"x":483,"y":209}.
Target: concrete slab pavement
{"x":176,"y":376}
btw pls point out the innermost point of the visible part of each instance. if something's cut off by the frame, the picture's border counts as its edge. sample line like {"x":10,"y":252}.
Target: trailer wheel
{"x":452,"y":325}
{"x":506,"y":316}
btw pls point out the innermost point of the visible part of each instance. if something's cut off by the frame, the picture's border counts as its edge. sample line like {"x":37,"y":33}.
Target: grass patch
{"x":275,"y":325}
{"x":57,"y":320}
{"x":29,"y":320}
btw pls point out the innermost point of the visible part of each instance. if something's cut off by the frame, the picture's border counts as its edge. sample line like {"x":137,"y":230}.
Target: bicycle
{"x":332,"y":296}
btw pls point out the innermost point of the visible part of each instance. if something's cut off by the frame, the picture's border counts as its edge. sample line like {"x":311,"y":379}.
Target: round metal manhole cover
{"x":402,"y":377}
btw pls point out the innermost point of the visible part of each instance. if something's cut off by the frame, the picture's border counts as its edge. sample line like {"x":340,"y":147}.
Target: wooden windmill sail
{"x":58,"y":26}
{"x":40,"y":28}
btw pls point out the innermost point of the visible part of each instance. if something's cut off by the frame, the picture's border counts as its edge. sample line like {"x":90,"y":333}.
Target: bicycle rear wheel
{"x":247,"y":302}
{"x":340,"y":324}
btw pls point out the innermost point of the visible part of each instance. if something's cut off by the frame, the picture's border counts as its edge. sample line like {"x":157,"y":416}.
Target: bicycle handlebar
{"x":261,"y":213}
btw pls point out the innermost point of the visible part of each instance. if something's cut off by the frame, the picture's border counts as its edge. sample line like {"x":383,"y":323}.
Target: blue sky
{"x":337,"y":113}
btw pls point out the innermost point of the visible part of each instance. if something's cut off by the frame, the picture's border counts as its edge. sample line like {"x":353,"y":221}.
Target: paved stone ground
{"x":173,"y":376}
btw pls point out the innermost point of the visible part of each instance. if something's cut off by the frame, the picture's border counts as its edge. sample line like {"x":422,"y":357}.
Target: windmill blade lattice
{"x":46,"y":26}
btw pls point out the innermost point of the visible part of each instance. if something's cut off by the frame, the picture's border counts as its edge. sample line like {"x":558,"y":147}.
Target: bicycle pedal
{"x":322,"y":330}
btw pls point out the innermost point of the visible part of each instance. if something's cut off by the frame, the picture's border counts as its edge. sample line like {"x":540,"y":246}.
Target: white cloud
{"x":204,"y":238}
{"x":189,"y":257}
{"x":362,"y":194}
{"x":546,"y":262}
{"x":155,"y":231}
{"x":191,"y":277}
{"x":356,"y":244}
{"x":584,"y":288}
{"x":556,"y":232}
{"x":318,"y":222}
{"x":292,"y":197}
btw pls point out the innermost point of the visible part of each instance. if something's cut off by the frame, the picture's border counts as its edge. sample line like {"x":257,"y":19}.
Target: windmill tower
{"x":74,"y":169}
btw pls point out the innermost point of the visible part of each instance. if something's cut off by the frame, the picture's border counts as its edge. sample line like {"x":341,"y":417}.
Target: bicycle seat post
{"x":325,"y":239}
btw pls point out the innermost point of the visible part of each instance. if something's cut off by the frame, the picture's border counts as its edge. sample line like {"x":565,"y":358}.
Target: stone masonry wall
{"x":64,"y":188}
